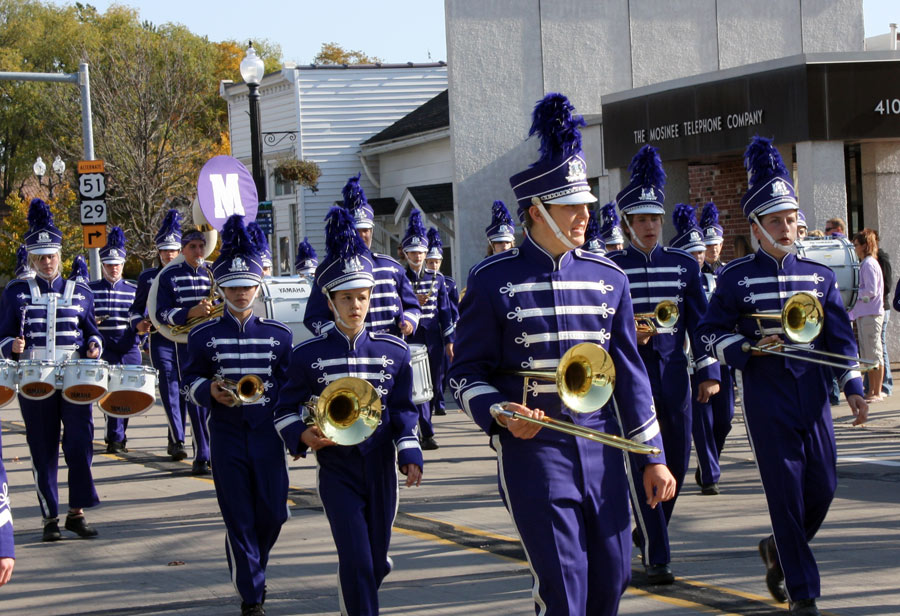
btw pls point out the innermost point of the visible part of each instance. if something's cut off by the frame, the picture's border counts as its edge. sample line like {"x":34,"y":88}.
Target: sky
{"x":393,"y":30}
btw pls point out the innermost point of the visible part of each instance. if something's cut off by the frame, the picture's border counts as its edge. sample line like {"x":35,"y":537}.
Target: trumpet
{"x":347,"y":411}
{"x":660,"y":321}
{"x":247,"y":390}
{"x":803,"y":319}
{"x":585,"y":379}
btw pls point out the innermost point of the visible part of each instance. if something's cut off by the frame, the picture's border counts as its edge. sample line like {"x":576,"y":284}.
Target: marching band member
{"x":394,"y":308}
{"x":436,"y":326}
{"x":307,"y":260}
{"x":501,"y":233}
{"x":802,"y":228}
{"x":657,"y":273}
{"x":7,"y":542}
{"x":23,"y":269}
{"x":713,"y":423}
{"x":113,"y":298}
{"x":184,"y":292}
{"x":433,"y":261}
{"x":246,"y":451}
{"x":357,"y":483}
{"x":592,"y":241}
{"x":24,"y":326}
{"x":568,"y":497}
{"x":610,"y":231}
{"x":258,"y":237}
{"x":785,"y":400}
{"x":162,"y":350}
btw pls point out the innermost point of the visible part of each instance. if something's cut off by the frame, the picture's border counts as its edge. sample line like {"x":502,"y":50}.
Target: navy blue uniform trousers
{"x":198,"y":414}
{"x":250,"y":474}
{"x":671,"y":388}
{"x":43,"y":421}
{"x":359,"y":495}
{"x":712,"y":423}
{"x":557,"y":482}
{"x":162,"y":356}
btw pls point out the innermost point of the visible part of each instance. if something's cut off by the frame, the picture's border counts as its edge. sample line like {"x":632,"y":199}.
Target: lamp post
{"x":252,"y":71}
{"x":40,"y":169}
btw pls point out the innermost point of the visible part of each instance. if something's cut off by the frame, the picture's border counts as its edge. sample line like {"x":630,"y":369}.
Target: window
{"x":282,"y":188}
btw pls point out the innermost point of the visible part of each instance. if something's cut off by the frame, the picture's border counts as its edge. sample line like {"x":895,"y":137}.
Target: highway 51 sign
{"x":92,"y":192}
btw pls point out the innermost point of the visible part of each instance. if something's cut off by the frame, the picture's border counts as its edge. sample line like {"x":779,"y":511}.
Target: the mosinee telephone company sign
{"x":805,"y":102}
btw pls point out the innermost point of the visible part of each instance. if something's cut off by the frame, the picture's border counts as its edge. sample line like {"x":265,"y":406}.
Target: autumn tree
{"x":332,"y":53}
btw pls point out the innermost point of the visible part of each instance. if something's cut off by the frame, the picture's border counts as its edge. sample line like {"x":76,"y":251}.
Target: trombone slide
{"x":611,"y":440}
{"x":863,"y":365}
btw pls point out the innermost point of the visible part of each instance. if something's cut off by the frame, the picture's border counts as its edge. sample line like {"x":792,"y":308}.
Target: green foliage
{"x":332,"y":53}
{"x":157,"y":113}
{"x":66,"y":217}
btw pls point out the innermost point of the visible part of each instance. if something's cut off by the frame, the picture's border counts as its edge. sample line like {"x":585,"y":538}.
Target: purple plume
{"x":553,"y":121}
{"x":341,"y":239}
{"x":39,"y":214}
{"x":684,"y":217}
{"x":762,"y":161}
{"x":710,"y":215}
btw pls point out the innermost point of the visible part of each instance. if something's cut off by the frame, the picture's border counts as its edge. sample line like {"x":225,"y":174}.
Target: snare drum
{"x":84,"y":380}
{"x":37,"y":378}
{"x":422,"y":391}
{"x":132,"y":391}
{"x":839,"y":255}
{"x":284,"y":299}
{"x":9,"y":378}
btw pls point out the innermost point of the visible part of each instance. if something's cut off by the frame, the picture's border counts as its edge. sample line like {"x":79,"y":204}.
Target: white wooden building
{"x":324,"y":114}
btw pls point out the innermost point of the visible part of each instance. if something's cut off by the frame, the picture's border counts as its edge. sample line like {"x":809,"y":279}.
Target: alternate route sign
{"x":94,"y":236}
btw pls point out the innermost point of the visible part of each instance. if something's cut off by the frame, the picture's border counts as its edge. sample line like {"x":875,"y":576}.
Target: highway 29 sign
{"x":92,"y":192}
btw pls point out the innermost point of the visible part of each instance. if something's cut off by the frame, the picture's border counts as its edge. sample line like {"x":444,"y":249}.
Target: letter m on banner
{"x":226,"y":194}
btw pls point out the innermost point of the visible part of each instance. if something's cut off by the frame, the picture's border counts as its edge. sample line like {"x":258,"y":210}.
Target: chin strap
{"x":632,"y":235}
{"x":791,"y":249}
{"x":337,"y":316}
{"x":552,"y":224}
{"x":236,"y":308}
{"x":109,"y":279}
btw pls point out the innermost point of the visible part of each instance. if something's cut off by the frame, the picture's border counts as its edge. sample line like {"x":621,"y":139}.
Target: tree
{"x":332,"y":53}
{"x":65,"y":216}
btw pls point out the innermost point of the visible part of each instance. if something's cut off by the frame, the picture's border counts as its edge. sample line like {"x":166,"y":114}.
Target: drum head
{"x":37,"y":390}
{"x":83,"y":393}
{"x":126,"y":403}
{"x":6,"y":395}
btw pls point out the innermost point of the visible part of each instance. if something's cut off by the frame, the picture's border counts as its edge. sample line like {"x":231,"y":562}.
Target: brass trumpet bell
{"x":247,"y":390}
{"x":664,"y":316}
{"x":585,"y":377}
{"x":348,"y":411}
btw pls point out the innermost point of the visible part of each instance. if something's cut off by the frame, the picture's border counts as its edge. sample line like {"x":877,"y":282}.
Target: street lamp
{"x":40,"y":169}
{"x":252,"y":71}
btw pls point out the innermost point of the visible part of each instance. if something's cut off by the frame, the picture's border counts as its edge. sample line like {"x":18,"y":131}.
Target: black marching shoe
{"x":774,"y":574}
{"x":176,"y":450}
{"x":78,"y":525}
{"x":116,"y":447}
{"x":201,"y":467}
{"x":51,"y":530}
{"x":659,"y":574}
{"x":429,"y":444}
{"x":252,"y":609}
{"x":440,"y":412}
{"x":709,"y":489}
{"x":805,"y":607}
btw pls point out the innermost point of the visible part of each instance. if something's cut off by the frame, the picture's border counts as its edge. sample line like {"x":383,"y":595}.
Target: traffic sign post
{"x":92,"y":197}
{"x":264,"y":217}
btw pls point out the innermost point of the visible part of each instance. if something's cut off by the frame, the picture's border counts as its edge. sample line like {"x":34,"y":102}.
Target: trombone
{"x":660,"y":321}
{"x":247,"y":390}
{"x":585,"y":379}
{"x":802,"y":319}
{"x":347,"y":411}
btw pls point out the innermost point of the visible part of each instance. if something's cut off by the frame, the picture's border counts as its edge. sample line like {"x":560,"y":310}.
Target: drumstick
{"x":24,"y":309}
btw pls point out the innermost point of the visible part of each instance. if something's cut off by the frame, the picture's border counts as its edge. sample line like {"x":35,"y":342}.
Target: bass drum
{"x":283,"y":298}
{"x":838,"y":254}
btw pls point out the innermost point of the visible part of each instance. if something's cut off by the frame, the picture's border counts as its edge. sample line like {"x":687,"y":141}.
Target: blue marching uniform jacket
{"x":75,"y":330}
{"x":786,"y":405}
{"x":112,"y":305}
{"x":523,"y":310}
{"x":246,"y":453}
{"x":392,"y":300}
{"x":667,"y":274}
{"x":181,"y":287}
{"x":357,"y":484}
{"x":7,"y":544}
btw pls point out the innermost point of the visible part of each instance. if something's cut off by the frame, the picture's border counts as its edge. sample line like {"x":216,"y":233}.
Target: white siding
{"x":338,"y":110}
{"x":418,"y":165}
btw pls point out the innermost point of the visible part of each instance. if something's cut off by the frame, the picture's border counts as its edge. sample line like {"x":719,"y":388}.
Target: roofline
{"x":380,"y":147}
{"x":750,"y":69}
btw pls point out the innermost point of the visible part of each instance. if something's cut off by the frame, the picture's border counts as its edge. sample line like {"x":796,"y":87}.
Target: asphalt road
{"x":161,"y":544}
